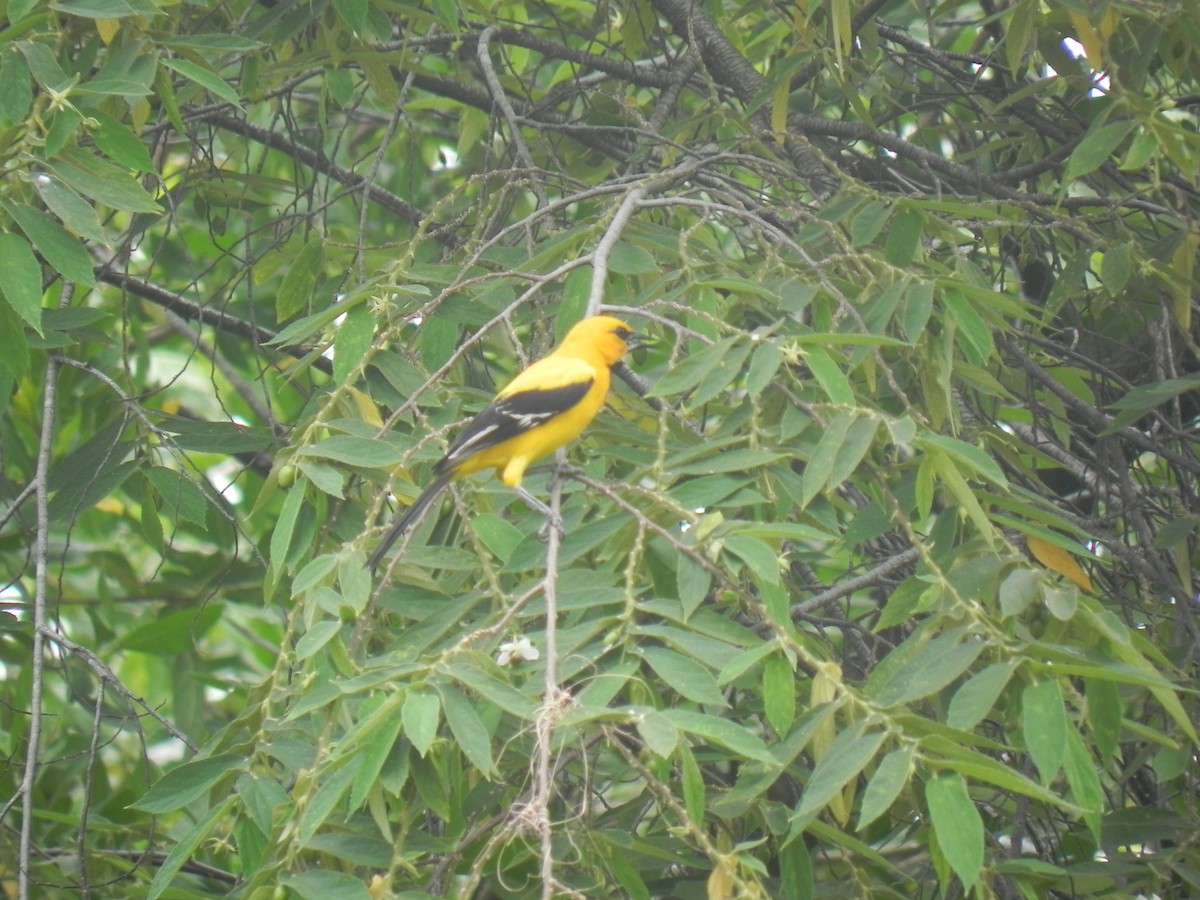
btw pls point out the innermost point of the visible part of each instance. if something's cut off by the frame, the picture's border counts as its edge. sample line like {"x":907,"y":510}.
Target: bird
{"x":546,"y":406}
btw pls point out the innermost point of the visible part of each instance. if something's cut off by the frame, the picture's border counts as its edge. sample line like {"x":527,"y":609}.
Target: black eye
{"x":623,"y":333}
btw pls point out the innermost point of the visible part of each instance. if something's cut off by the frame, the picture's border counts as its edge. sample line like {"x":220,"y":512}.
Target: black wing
{"x":509,"y":417}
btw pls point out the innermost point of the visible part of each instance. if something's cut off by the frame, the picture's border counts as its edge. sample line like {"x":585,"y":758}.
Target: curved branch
{"x":733,"y":70}
{"x":191,"y":310}
{"x":319,"y":162}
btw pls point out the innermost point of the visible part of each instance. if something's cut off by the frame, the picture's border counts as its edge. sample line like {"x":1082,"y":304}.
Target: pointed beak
{"x":637,"y":341}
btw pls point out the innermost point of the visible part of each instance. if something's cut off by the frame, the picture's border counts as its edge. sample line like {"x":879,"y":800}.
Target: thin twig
{"x":866,"y":580}
{"x":37,"y":664}
{"x":551,"y":706}
{"x":105,"y":674}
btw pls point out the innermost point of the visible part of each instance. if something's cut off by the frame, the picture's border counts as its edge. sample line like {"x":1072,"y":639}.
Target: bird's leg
{"x":553,"y":519}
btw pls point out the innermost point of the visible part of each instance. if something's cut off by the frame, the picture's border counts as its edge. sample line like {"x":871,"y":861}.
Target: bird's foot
{"x":553,"y":520}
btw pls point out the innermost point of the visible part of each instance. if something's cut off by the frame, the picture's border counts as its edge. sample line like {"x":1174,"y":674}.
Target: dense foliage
{"x":878,"y":574}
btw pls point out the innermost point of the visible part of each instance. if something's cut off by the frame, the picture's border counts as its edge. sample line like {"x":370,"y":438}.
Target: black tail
{"x":410,"y":515}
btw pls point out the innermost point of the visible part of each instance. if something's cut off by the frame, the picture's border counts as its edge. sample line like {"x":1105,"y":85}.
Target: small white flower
{"x":515,"y":651}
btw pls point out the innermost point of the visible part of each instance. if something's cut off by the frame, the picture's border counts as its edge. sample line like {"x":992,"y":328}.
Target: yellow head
{"x":606,"y":336}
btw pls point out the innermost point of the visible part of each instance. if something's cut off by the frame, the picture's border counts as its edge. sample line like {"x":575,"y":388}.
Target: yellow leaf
{"x":825,"y":689}
{"x":111,"y":505}
{"x":107,"y":29}
{"x":1183,"y":265}
{"x":366,"y":407}
{"x":843,"y":32}
{"x":779,"y":109}
{"x":1093,"y":46}
{"x":720,"y":885}
{"x":1109,"y":22}
{"x":1056,"y":559}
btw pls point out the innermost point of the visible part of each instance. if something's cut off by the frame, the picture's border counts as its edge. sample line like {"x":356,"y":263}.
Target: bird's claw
{"x":552,"y":521}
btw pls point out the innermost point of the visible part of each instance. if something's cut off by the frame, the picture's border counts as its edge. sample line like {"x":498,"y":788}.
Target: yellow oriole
{"x":543,"y":408}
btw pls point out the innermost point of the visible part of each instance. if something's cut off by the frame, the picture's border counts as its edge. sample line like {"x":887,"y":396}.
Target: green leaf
{"x":180,"y":494}
{"x":367,"y":453}
{"x":932,"y":668}
{"x":1104,"y":711}
{"x":21,"y":285}
{"x":421,"y":715}
{"x":630,"y":259}
{"x":848,"y":755}
{"x":317,"y":636}
{"x":1096,"y":148}
{"x":494,"y":691}
{"x":217,"y":437}
{"x":13,"y":351}
{"x":120,"y":144}
{"x":692,"y":782}
{"x":1162,"y":690}
{"x":186,"y":783}
{"x":969,"y":455}
{"x":975,"y":699}
{"x":824,"y":456}
{"x":313,"y":573}
{"x":688,"y":372}
{"x":693,"y":581}
{"x":44,"y":65}
{"x":322,"y":884}
{"x":61,"y":250}
{"x":722,"y":374}
{"x":285,"y":525}
{"x":172,"y":633}
{"x":918,"y":306}
{"x":353,"y":13}
{"x":779,"y":693}
{"x":106,"y":9}
{"x":1115,"y":268}
{"x":1044,"y":726}
{"x":974,"y":337}
{"x":745,"y":661}
{"x":717,"y":461}
{"x":166,"y":95}
{"x":868,"y":222}
{"x":72,"y":210}
{"x":324,"y":477}
{"x":378,"y":742}
{"x":300,"y":281}
{"x":215,"y":43}
{"x":187,"y":846}
{"x":954,"y":481}
{"x":438,"y":339}
{"x":1085,"y":786}
{"x":725,"y":733}
{"x":103,"y":181}
{"x":767,"y":357}
{"x":468,"y":729}
{"x":660,"y":735}
{"x":352,"y":341}
{"x":890,"y":778}
{"x":16,"y":90}
{"x":1018,"y":590}
{"x":206,"y":78}
{"x":829,"y":375}
{"x":957,"y":756}
{"x":684,"y":676}
{"x":904,"y":237}
{"x":1142,"y":400}
{"x":500,"y":536}
{"x":334,"y":783}
{"x":956,"y":825}
{"x":854,"y":447}
{"x":758,"y":556}
{"x":903,"y":602}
